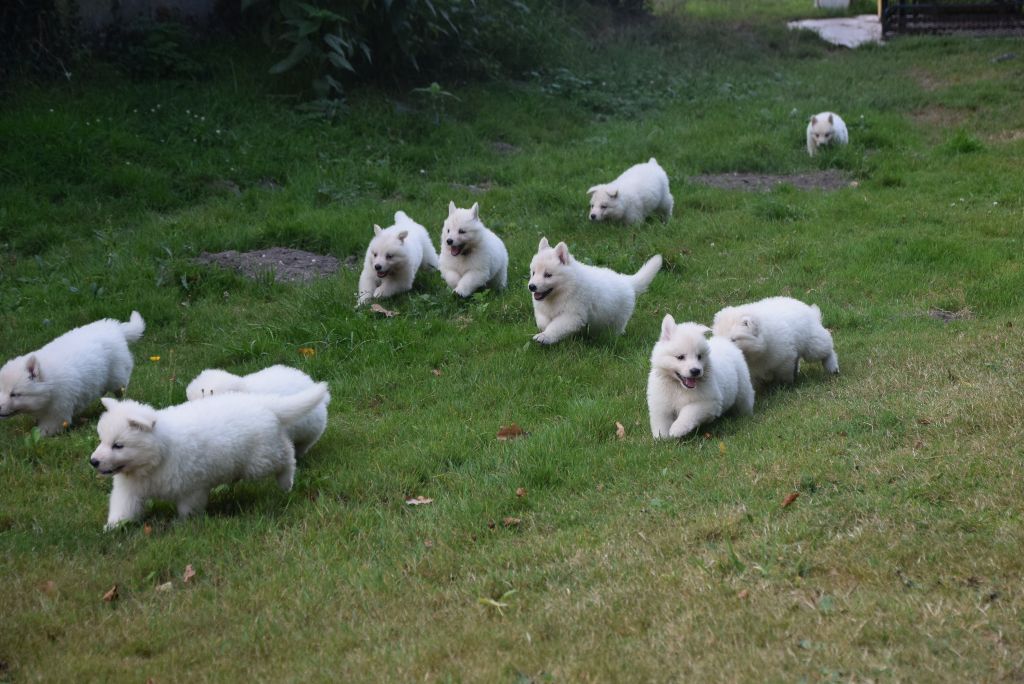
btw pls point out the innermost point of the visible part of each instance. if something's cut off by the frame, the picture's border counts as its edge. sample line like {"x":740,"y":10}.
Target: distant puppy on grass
{"x":640,"y":191}
{"x":774,"y":334}
{"x":58,"y":381}
{"x":569,"y":296}
{"x":826,"y":128}
{"x":180,"y":453}
{"x":471,"y":255}
{"x":394,"y":256}
{"x":694,"y":380}
{"x":282,"y":380}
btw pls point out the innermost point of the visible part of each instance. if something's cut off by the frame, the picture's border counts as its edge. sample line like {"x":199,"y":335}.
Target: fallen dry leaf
{"x":147,"y":529}
{"x":520,"y":491}
{"x":511,"y":522}
{"x":707,"y":435}
{"x":48,"y":587}
{"x":721,"y":448}
{"x":790,"y":498}
{"x":154,"y":358}
{"x":436,"y":372}
{"x":418,"y":500}
{"x":377,"y":308}
{"x":743,"y":594}
{"x":427,"y":543}
{"x":490,"y":524}
{"x":189,"y":574}
{"x":307,"y":351}
{"x":620,"y":431}
{"x":166,"y":586}
{"x":111,"y":594}
{"x":924,"y":421}
{"x":511,"y":431}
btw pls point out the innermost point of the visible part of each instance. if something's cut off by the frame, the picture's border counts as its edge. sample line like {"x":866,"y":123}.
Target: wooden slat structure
{"x":941,"y":16}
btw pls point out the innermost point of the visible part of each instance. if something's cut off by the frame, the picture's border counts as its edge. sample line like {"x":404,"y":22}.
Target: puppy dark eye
{"x":681,"y":357}
{"x":700,"y":356}
{"x":604,"y":206}
{"x":547,"y":275}
{"x":374,"y":254}
{"x":388,"y":256}
{"x":118,"y":445}
{"x":15,"y":394}
{"x":461,"y":232}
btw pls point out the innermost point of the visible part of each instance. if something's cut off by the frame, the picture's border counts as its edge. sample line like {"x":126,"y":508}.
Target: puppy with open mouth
{"x":694,"y":380}
{"x":395,"y":255}
{"x":569,"y":296}
{"x":472,"y":256}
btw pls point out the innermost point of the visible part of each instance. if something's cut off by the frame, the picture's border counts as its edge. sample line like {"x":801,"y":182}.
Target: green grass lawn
{"x":625,"y":559}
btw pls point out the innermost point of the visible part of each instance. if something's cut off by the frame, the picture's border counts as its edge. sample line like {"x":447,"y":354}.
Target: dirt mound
{"x":762,"y":182}
{"x":287,"y":265}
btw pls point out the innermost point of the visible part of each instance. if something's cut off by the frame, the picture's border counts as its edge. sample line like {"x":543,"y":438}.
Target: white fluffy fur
{"x":471,"y":255}
{"x":640,"y":191}
{"x":826,"y":128}
{"x":58,"y":381}
{"x":282,"y":380}
{"x":774,"y":334}
{"x":694,"y":380}
{"x":393,"y":258}
{"x":569,"y":296}
{"x":181,"y":452}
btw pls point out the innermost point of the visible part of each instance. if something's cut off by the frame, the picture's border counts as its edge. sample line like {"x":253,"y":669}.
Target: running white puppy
{"x":640,"y":191}
{"x":694,"y":380}
{"x":394,"y":256}
{"x":180,"y":453}
{"x":58,"y":381}
{"x":569,"y":296}
{"x":472,"y":256}
{"x":825,"y":129}
{"x":774,"y":334}
{"x":282,"y":380}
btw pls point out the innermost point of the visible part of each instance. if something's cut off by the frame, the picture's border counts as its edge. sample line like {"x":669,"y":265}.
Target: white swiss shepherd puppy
{"x":180,"y":453}
{"x":640,"y":191}
{"x":774,"y":334}
{"x":58,"y":381}
{"x":394,"y":256}
{"x":569,"y":296}
{"x":826,"y":128}
{"x":472,"y":256}
{"x":694,"y":380}
{"x":283,"y":380}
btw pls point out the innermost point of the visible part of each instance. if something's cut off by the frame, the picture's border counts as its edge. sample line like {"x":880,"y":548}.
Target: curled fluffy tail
{"x":642,"y":278}
{"x":292,"y":408}
{"x":134,"y":328}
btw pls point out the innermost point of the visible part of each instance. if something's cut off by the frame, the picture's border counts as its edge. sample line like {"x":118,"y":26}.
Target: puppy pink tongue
{"x":690,"y":382}
{"x":456,"y":251}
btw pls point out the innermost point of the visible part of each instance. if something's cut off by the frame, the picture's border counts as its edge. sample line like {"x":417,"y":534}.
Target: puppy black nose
{"x":377,"y":267}
{"x":450,"y":241}
{"x":94,"y":463}
{"x":694,"y":372}
{"x":533,"y":288}
{"x":593,"y":217}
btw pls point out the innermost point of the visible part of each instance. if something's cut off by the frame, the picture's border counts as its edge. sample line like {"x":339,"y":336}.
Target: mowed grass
{"x":625,"y":559}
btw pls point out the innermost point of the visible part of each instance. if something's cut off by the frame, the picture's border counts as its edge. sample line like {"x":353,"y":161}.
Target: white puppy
{"x":694,"y":380}
{"x":825,"y":129}
{"x":283,"y":380}
{"x":58,"y":381}
{"x":569,"y":296}
{"x":471,"y":255}
{"x":640,"y":191}
{"x":180,"y":453}
{"x":394,"y":256}
{"x":774,"y":334}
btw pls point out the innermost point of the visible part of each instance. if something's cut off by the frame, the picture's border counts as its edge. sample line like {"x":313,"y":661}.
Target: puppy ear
{"x":830,"y":118}
{"x":142,"y":424}
{"x":401,"y":236}
{"x":543,"y":244}
{"x":704,"y":329}
{"x":451,"y":208}
{"x":749,"y":322}
{"x":613,"y":193}
{"x":562,"y":252}
{"x":377,"y":229}
{"x":668,"y":326}
{"x":594,"y":189}
{"x":32,"y":366}
{"x":476,"y":210}
{"x":814,"y":120}
{"x":108,"y":403}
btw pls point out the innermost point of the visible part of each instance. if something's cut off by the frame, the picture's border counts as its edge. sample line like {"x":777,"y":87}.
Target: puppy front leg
{"x":558,"y":329}
{"x":691,"y":416}
{"x":367,"y":284}
{"x":54,"y":423}
{"x":124,"y":505}
{"x":661,"y":423}
{"x":393,"y":285}
{"x":451,"y":278}
{"x":470,"y":282}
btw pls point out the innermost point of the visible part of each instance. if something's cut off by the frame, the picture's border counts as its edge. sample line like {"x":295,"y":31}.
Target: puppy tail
{"x":134,"y":328}
{"x":291,"y":408}
{"x":642,"y":278}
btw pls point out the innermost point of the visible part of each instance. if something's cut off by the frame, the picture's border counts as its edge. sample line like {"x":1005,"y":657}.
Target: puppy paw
{"x":378,"y":293}
{"x":463,"y":291}
{"x":679,"y":432}
{"x":543,"y":339}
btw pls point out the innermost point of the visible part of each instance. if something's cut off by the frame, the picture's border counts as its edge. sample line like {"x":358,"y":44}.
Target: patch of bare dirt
{"x":287,"y":265}
{"x":763,"y":182}
{"x":964,"y":314}
{"x":1008,"y":136}
{"x":938,"y":116}
{"x":475,"y":188}
{"x":504,"y":147}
